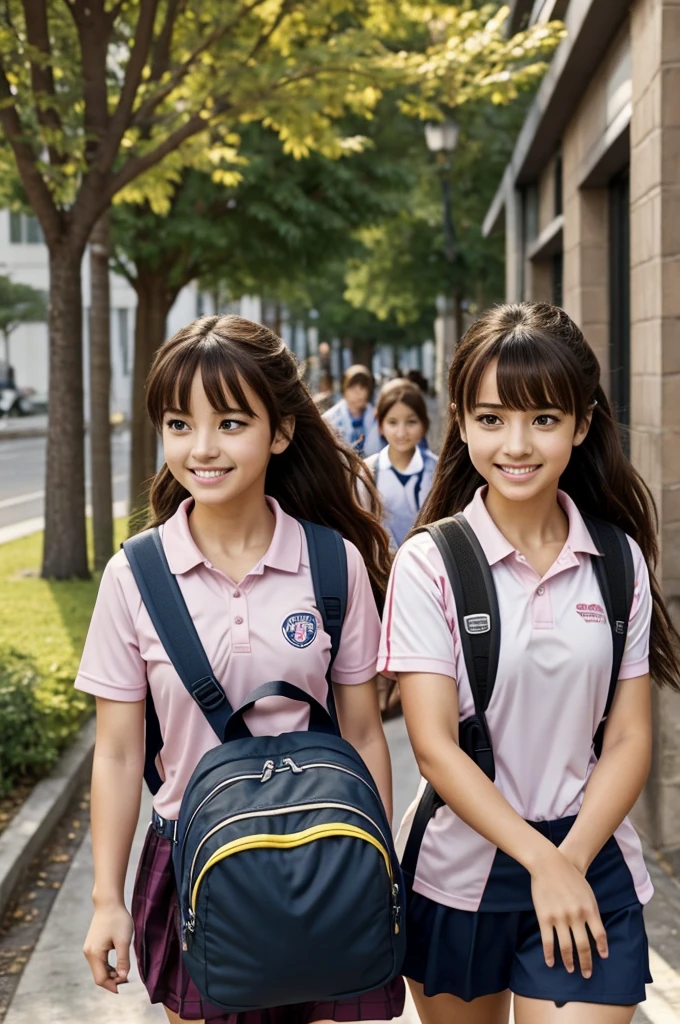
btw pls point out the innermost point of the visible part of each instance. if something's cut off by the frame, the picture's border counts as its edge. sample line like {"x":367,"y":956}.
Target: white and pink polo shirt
{"x":265,"y":627}
{"x":550,"y":692}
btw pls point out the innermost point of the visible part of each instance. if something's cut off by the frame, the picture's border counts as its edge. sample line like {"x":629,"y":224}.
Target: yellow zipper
{"x":309,"y":835}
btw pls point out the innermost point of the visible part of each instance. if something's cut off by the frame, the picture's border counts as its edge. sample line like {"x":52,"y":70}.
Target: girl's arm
{"x":562,"y":898}
{"x":361,"y":725}
{"x":620,"y":774}
{"x":116,"y":792}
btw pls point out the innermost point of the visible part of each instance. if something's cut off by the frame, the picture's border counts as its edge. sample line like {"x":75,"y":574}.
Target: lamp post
{"x":442,"y":139}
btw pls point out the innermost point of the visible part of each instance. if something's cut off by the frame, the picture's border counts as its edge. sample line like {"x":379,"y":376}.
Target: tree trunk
{"x":100,"y":391}
{"x":363,"y":352}
{"x":154,"y":301}
{"x":5,"y":338}
{"x":65,"y":548}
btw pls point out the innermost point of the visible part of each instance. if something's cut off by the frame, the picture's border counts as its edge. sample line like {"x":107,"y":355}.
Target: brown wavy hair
{"x":315,"y":478}
{"x":544,"y":361}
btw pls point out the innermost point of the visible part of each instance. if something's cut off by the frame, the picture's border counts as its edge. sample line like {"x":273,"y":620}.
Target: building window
{"x":124,"y":341}
{"x":619,"y":298}
{"x":24,"y":230}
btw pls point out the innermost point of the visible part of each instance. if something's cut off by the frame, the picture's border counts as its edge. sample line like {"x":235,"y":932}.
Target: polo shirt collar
{"x":183,"y":554}
{"x":414,"y":466}
{"x":496,"y":546}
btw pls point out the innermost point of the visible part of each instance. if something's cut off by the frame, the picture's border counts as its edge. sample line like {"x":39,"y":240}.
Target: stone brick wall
{"x":655,"y":348}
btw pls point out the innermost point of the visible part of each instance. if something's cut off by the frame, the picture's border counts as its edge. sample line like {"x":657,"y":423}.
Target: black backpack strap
{"x":168,"y":612}
{"x":328,"y":566}
{"x":615,"y":574}
{"x":474,"y":592}
{"x":479,"y":627}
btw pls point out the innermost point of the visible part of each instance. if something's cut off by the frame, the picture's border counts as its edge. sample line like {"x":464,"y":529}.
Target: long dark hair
{"x":315,"y":478}
{"x":544,"y":361}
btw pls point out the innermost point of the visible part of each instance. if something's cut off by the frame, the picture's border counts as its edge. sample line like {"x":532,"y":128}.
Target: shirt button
{"x":238,"y":620}
{"x":237,"y":593}
{"x":541,"y":591}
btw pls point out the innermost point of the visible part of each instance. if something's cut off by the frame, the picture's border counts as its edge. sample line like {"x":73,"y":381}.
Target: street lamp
{"x":442,"y":138}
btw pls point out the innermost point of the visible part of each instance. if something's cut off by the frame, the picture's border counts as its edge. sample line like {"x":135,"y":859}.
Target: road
{"x":22,"y":476}
{"x":56,"y":986}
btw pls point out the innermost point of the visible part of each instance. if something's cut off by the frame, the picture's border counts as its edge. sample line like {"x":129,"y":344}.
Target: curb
{"x":33,"y":825}
{"x":22,"y":432}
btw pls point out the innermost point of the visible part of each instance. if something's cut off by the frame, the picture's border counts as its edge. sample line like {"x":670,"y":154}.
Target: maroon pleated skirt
{"x":155,"y":911}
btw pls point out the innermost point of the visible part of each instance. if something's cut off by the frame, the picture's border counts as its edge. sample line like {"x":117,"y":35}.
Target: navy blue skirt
{"x":472,"y":954}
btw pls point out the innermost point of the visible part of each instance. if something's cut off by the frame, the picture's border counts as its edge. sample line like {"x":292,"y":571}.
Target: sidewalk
{"x":23,"y":426}
{"x":57,"y":987}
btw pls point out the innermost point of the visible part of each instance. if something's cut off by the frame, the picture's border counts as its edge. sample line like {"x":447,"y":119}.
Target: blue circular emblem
{"x":300,"y":628}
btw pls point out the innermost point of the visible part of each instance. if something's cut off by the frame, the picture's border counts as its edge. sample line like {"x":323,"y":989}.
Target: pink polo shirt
{"x":550,"y":692}
{"x":250,"y":635}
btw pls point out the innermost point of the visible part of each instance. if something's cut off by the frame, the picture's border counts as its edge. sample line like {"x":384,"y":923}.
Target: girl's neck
{"x":236,"y":535}
{"x":530,"y":525}
{"x":400,"y":460}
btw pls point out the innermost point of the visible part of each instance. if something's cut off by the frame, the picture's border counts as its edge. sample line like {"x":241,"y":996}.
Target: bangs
{"x":223,"y":371}
{"x":533,"y":371}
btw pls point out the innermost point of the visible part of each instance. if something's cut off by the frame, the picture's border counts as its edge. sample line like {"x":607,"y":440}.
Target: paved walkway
{"x":57,"y":988}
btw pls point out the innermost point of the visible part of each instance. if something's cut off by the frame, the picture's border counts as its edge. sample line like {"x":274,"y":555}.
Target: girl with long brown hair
{"x":532,"y":884}
{"x":246,"y":455}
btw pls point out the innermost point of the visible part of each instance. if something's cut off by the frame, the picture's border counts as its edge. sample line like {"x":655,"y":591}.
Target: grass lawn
{"x":43,"y":624}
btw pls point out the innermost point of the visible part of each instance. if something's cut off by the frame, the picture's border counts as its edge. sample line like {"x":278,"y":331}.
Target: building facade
{"x":590,"y":208}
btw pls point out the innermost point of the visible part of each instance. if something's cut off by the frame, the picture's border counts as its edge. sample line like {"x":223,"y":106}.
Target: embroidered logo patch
{"x":592,"y":613}
{"x":300,"y":628}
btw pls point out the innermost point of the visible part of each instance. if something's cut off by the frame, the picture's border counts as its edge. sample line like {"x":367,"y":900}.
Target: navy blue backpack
{"x":289,"y":884}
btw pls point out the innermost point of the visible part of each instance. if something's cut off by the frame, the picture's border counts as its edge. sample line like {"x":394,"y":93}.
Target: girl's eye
{"x":545,"y":420}
{"x":177,"y":425}
{"x":231,"y":425}
{"x":488,"y":419}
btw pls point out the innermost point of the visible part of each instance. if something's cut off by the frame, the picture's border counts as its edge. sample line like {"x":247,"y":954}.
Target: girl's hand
{"x":565,"y":905}
{"x":111,"y":928}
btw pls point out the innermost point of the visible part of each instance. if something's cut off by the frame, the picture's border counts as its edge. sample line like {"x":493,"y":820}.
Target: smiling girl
{"x":402,"y":471}
{"x":533,"y":884}
{"x":246,"y":454}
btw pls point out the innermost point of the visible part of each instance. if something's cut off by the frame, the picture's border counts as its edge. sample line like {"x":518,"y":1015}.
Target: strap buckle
{"x":208,"y":693}
{"x":166,"y":828}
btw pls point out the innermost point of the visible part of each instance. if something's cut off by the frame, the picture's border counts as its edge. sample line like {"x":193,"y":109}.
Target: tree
{"x":19,"y":304}
{"x":96,"y":94}
{"x":100,"y":390}
{"x":284,"y":220}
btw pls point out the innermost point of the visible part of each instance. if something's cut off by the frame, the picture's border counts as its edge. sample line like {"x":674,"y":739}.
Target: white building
{"x":24,"y":258}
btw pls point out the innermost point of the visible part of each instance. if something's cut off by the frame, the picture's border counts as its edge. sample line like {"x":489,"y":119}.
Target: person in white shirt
{"x":353,"y":417}
{"x":402,"y":471}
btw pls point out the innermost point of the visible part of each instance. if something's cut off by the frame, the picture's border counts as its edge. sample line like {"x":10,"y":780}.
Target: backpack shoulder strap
{"x":615,"y":574}
{"x":474,"y":591}
{"x":170,"y":616}
{"x":479,"y":627}
{"x":328,"y":566}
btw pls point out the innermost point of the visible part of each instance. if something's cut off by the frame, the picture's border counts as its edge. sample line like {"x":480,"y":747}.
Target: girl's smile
{"x":219,"y":455}
{"x":521,"y":453}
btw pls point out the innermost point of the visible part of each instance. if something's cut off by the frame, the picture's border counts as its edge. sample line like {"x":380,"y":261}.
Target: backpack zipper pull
{"x":290,"y":763}
{"x":396,"y":908}
{"x":268,"y":770}
{"x":188,"y":927}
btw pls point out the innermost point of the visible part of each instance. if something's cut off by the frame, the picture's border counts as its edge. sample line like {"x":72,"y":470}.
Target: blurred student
{"x":403,"y":470}
{"x":353,"y":417}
